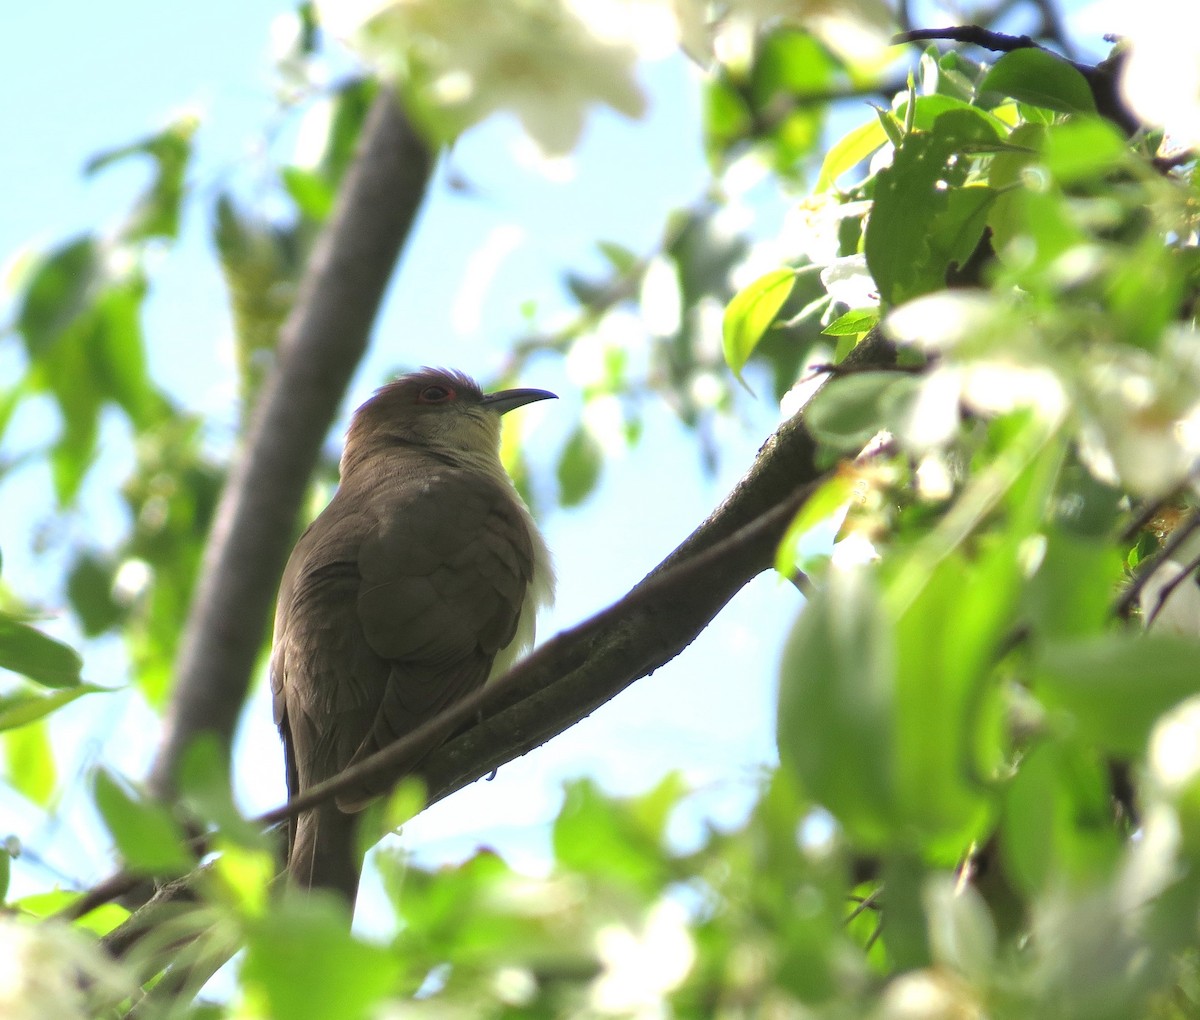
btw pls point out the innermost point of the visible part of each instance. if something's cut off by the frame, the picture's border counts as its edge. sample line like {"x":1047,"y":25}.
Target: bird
{"x":419,"y":582}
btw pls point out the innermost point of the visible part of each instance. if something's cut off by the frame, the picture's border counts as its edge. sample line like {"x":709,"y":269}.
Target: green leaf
{"x":24,"y":707}
{"x":1040,"y":78}
{"x":750,"y":314}
{"x":848,"y":151}
{"x":1115,"y":686}
{"x":1082,"y":149}
{"x":58,"y":292}
{"x":302,"y":963}
{"x":853,"y":322}
{"x":726,"y":119}
{"x":836,"y":704}
{"x":310,"y":191}
{"x":832,"y":495}
{"x":28,"y":651}
{"x":601,"y":837}
{"x":29,"y":758}
{"x":204,"y":787}
{"x":619,"y":257}
{"x":1057,"y":821}
{"x":579,"y":468}
{"x":157,"y":212}
{"x":847,"y":411}
{"x":89,"y":587}
{"x":148,"y":837}
{"x":1071,"y":594}
{"x":914,"y":231}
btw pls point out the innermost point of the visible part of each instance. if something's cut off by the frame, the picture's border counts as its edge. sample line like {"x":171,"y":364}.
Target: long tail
{"x":325,"y":853}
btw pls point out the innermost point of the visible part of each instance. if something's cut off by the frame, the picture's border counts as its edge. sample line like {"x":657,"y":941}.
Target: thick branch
{"x":321,"y":345}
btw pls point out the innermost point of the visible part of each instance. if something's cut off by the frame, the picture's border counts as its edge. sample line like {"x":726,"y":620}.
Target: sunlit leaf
{"x":147,"y":836}
{"x":836,"y":704}
{"x":302,"y":963}
{"x":750,"y":314}
{"x":579,"y":467}
{"x":157,"y":212}
{"x":853,"y":322}
{"x":29,"y":759}
{"x":1038,"y":77}
{"x":1116,"y":685}
{"x":23,"y":707}
{"x":26,"y":650}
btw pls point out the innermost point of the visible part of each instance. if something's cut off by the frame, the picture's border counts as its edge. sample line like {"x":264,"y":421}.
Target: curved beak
{"x":503,"y":401}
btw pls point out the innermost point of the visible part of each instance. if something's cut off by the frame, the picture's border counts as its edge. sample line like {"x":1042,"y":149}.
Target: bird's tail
{"x":325,"y":853}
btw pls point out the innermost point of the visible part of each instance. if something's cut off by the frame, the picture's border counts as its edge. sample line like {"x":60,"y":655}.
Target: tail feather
{"x":325,"y":853}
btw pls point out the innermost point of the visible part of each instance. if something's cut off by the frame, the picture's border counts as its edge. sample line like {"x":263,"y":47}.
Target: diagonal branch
{"x":321,"y":344}
{"x":580,"y":669}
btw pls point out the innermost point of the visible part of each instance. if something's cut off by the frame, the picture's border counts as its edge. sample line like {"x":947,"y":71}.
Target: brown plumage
{"x":419,"y":581}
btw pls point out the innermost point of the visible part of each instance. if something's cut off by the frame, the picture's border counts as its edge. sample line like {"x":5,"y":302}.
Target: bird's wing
{"x":326,"y":682}
{"x":444,"y":577}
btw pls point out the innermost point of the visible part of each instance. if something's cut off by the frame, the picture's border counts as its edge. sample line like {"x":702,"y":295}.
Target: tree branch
{"x":320,"y":346}
{"x":580,"y":669}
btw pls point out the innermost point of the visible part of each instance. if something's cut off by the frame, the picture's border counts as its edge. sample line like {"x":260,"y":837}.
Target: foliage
{"x":988,"y":796}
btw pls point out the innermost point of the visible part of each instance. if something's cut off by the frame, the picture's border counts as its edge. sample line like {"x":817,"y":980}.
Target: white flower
{"x":641,"y":968}
{"x":858,"y":31}
{"x":848,"y":281}
{"x":537,"y":59}
{"x":43,"y":967}
{"x":1161,"y":77}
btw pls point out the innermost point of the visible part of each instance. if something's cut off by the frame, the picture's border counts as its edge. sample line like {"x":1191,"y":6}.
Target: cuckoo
{"x":417,"y":583}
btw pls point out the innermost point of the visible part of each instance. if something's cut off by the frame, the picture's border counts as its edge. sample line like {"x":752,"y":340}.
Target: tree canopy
{"x":976,"y":311}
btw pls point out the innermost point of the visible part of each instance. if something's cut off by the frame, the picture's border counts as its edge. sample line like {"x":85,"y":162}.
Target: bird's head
{"x":435,"y":409}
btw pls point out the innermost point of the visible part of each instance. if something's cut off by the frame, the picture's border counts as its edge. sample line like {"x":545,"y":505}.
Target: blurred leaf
{"x":147,"y":836}
{"x":1083,"y":148}
{"x":750,"y":314}
{"x":310,"y":191}
{"x":89,"y":587}
{"x":31,"y":653}
{"x":157,"y":212}
{"x":1071,"y":594}
{"x":848,"y":410}
{"x":836,"y":704}
{"x":830,"y":498}
{"x":23,"y":707}
{"x":29,"y":758}
{"x":302,"y":963}
{"x":5,"y":873}
{"x":1116,"y":685}
{"x":726,"y":119}
{"x":205,"y":790}
{"x":59,"y":290}
{"x":620,"y":258}
{"x":1038,"y":77}
{"x":604,"y":839}
{"x":579,"y":467}
{"x":1057,"y":821}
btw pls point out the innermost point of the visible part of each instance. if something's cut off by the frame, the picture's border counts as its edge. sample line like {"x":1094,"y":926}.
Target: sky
{"x":96,"y":76}
{"x":106,"y":76}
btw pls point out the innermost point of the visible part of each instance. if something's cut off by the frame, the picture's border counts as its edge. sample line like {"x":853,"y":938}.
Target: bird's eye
{"x":435,"y":394}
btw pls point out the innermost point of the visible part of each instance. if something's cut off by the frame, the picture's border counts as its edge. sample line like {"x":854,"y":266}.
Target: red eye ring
{"x":435,"y":394}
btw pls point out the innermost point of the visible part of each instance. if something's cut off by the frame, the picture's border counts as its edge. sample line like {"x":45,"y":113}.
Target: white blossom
{"x":640,"y":968}
{"x":45,"y":967}
{"x":1161,"y":76}
{"x":541,"y":60}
